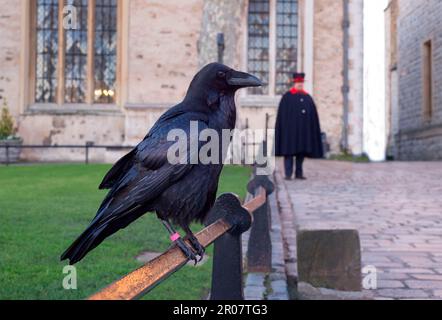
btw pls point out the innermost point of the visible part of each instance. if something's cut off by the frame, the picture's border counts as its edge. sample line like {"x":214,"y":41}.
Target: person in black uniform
{"x":298,"y":131}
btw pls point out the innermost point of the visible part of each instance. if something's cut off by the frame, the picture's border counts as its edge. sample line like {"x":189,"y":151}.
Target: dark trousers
{"x":288,"y":164}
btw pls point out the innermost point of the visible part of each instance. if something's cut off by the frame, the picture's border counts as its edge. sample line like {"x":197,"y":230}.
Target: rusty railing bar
{"x":141,"y":281}
{"x":256,"y":202}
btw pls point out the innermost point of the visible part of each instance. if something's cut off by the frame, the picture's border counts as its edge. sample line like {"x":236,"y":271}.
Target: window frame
{"x":60,"y":103}
{"x":273,"y":25}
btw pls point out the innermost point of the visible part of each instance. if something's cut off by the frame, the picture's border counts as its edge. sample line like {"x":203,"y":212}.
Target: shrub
{"x":6,"y":124}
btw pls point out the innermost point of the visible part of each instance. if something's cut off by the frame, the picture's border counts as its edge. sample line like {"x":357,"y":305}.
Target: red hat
{"x":299,"y":77}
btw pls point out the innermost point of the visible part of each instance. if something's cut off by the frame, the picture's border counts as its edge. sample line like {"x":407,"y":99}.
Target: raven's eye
{"x":221,"y":74}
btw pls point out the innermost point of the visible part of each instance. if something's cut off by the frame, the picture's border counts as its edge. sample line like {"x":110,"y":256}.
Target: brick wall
{"x":418,"y":22}
{"x":10,"y":36}
{"x":163,"y":53}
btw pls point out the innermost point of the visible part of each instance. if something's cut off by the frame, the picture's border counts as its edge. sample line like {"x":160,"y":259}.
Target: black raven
{"x":145,"y":181}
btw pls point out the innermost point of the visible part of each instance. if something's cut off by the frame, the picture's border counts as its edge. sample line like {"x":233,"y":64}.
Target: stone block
{"x":330,"y":259}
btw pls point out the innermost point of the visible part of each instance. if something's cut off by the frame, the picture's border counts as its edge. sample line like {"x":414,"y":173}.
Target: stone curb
{"x":273,"y":286}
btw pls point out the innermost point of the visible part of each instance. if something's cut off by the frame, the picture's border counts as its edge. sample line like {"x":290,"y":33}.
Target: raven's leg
{"x":176,"y":238}
{"x":200,"y":250}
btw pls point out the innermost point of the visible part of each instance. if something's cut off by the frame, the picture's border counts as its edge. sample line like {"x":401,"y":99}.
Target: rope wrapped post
{"x":259,"y":252}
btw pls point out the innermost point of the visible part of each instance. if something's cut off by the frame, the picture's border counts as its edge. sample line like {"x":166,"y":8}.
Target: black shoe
{"x":301,"y":178}
{"x":288,"y":178}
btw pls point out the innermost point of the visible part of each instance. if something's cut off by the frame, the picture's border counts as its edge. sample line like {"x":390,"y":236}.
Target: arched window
{"x":273,"y":43}
{"x":75,"y":51}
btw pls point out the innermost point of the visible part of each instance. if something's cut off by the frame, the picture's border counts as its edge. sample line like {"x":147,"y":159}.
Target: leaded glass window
{"x":46,"y":51}
{"x":76,"y":55}
{"x":279,"y":37}
{"x":286,"y":43}
{"x":258,"y":43}
{"x":76,"y":62}
{"x":105,"y":59}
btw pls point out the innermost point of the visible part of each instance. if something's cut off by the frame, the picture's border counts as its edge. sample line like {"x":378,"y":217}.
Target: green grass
{"x":350,"y":158}
{"x":43,"y":208}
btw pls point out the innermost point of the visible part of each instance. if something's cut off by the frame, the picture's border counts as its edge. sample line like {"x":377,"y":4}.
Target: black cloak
{"x":298,"y":130}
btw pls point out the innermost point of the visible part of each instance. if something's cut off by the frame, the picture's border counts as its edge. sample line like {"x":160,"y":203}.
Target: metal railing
{"x":87,"y":147}
{"x":226,"y":222}
{"x":246,"y":146}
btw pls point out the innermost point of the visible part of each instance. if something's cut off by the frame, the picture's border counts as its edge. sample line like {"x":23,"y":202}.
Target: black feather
{"x":144,"y":181}
{"x":117,"y":170}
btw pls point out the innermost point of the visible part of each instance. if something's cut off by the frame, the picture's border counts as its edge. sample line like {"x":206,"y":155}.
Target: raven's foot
{"x":188,"y":252}
{"x":176,"y":239}
{"x":200,"y":250}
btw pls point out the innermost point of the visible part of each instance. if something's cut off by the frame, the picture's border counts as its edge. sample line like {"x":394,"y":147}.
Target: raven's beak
{"x":243,"y":80}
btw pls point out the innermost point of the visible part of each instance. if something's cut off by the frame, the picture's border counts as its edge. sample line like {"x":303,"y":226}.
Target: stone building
{"x":102,"y":71}
{"x":414,"y":79}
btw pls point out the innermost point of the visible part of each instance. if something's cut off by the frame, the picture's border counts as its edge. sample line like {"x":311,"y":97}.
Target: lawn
{"x":43,"y":208}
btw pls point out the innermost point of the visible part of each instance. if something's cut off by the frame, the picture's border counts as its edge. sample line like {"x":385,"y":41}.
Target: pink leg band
{"x":175,"y":237}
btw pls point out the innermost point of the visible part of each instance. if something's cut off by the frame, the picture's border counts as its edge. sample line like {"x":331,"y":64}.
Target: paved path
{"x":397,"y":208}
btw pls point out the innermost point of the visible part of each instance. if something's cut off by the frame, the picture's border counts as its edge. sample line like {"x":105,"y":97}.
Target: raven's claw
{"x":188,"y":252}
{"x":200,"y":250}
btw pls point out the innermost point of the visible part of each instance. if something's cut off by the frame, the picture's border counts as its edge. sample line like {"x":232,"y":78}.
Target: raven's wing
{"x":153,"y":157}
{"x":147,"y":173}
{"x":118,"y":170}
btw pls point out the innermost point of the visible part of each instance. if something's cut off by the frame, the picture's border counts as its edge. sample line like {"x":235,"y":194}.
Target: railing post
{"x":259,"y":252}
{"x":227,"y":270}
{"x":266,"y":142}
{"x":7,"y":155}
{"x":88,"y":145}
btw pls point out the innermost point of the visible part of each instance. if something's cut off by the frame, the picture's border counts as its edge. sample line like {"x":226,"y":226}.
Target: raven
{"x":145,"y":181}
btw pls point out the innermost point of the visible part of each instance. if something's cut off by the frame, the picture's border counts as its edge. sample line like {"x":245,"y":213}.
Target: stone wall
{"x":391,"y":75}
{"x":10,"y":37}
{"x":71,"y":129}
{"x":163,"y":58}
{"x":166,"y":42}
{"x":220,"y":16}
{"x":422,"y":144}
{"x":419,"y":21}
{"x":356,"y":76}
{"x":163,"y":54}
{"x":328,"y":68}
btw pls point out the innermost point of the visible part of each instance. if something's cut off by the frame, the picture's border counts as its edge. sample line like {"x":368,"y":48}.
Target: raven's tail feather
{"x":86,"y":242}
{"x":99,"y":230}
